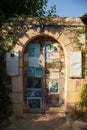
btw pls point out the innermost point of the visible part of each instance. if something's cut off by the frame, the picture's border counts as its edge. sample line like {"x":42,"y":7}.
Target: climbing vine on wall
{"x":9,"y":32}
{"x":8,"y":38}
{"x":82,"y":47}
{"x":76,"y":37}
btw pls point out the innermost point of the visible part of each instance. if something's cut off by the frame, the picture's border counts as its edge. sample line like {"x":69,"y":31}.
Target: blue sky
{"x":69,"y":8}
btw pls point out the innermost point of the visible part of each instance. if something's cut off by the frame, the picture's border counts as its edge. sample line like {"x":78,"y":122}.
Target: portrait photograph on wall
{"x":53,"y":87}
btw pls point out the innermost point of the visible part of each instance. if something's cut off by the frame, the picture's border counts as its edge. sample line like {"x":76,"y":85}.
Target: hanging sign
{"x":75,"y":64}
{"x":12,"y":63}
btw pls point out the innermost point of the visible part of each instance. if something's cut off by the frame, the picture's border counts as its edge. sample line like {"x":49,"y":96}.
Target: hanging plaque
{"x":12,"y":63}
{"x":75,"y":64}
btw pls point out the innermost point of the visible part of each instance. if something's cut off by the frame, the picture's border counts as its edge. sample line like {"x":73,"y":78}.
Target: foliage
{"x":82,"y":48}
{"x":9,"y":8}
{"x":84,"y":64}
{"x":13,"y":16}
{"x":83,"y":97}
{"x":9,"y":33}
{"x":4,"y":98}
{"x":8,"y":37}
{"x":51,"y":12}
{"x":32,"y":8}
{"x":19,"y":12}
{"x":79,"y":31}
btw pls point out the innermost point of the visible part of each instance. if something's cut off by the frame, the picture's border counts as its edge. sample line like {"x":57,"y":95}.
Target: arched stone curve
{"x":61,"y":38}
{"x":31,"y":34}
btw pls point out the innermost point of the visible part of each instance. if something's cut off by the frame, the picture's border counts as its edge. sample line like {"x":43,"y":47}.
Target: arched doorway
{"x":44,"y":75}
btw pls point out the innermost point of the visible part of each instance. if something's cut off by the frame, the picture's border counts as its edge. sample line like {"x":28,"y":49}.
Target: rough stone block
{"x":17,"y":84}
{"x":18,"y":109}
{"x":64,"y":40}
{"x":17,"y":97}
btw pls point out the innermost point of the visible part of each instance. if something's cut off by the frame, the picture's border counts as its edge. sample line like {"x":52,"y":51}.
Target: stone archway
{"x":18,"y":103}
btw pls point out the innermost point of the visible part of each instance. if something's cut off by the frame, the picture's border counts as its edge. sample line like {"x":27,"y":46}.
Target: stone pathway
{"x":40,"y":122}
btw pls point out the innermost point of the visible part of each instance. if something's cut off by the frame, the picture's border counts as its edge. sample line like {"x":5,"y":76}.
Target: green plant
{"x":84,"y":64}
{"x":83,"y":97}
{"x":81,"y":48}
{"x":4,"y":91}
{"x":77,"y":34}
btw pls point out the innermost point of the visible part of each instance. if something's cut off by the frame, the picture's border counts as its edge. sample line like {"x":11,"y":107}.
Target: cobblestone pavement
{"x":40,"y":122}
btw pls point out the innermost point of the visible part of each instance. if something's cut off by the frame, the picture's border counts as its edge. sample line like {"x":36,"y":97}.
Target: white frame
{"x":34,"y":98}
{"x":50,"y":87}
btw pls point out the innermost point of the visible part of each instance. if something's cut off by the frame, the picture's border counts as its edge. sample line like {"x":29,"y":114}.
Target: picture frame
{"x":48,"y":46}
{"x":33,"y":61}
{"x":31,"y":51}
{"x":34,"y":83}
{"x":38,"y":72}
{"x":34,"y":103}
{"x":34,"y":50}
{"x":53,"y":100}
{"x":53,"y":87}
{"x":33,"y":92}
{"x":31,"y":71}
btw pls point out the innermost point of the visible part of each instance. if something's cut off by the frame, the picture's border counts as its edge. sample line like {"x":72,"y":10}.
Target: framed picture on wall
{"x":48,"y":46}
{"x":31,"y":71}
{"x":33,"y":92}
{"x":53,"y":100}
{"x":31,"y":51}
{"x":34,"y":83}
{"x":53,"y":87}
{"x":34,"y":103}
{"x":38,"y":72}
{"x":33,"y":61}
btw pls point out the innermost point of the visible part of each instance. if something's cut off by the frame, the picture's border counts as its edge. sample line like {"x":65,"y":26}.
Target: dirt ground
{"x":57,"y":121}
{"x":40,"y":122}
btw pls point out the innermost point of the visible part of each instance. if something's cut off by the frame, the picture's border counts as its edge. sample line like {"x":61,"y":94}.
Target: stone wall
{"x":70,"y":33}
